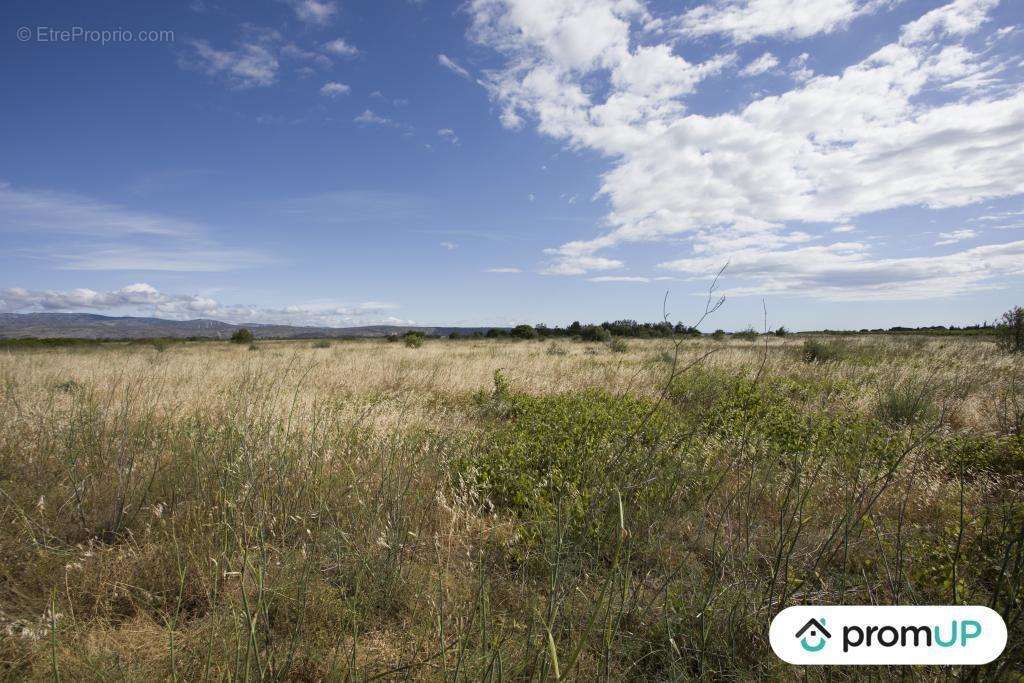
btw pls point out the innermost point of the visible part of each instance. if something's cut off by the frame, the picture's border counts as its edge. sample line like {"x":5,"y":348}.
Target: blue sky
{"x":855,"y":162}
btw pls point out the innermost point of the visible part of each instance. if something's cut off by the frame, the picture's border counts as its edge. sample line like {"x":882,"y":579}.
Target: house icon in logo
{"x":814,"y":629}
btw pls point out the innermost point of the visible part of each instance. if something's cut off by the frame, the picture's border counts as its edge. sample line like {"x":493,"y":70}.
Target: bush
{"x":749,"y":334}
{"x":817,"y":351}
{"x":1010,"y":330}
{"x":904,"y":403}
{"x":782,"y":332}
{"x":524,"y":332}
{"x":322,"y":344}
{"x":556,"y":350}
{"x":496,"y":333}
{"x":568,"y":452}
{"x":617,"y":345}
{"x":718,"y":335}
{"x":595,"y":333}
{"x":455,"y":335}
{"x":160,"y":345}
{"x":242,"y":336}
{"x":413,"y":340}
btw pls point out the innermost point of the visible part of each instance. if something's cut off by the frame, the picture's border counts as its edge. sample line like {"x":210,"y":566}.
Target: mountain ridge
{"x":98,"y":326}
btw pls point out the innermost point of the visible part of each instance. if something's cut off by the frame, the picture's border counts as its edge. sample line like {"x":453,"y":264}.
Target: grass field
{"x":496,"y":510}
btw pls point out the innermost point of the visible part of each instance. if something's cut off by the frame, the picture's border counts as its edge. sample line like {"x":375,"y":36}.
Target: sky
{"x":850,"y":163}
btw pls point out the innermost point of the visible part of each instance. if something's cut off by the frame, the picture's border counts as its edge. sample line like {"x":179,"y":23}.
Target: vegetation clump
{"x":524,"y":332}
{"x":241,"y":336}
{"x":1010,"y":330}
{"x":413,"y":339}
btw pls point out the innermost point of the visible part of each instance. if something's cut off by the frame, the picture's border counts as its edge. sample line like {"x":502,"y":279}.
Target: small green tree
{"x":242,"y":336}
{"x":595,"y":333}
{"x":413,"y":339}
{"x":781,"y":332}
{"x":524,"y":332}
{"x":1010,"y":330}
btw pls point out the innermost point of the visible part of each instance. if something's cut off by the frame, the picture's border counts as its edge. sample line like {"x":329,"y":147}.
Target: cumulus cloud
{"x":449,"y":135}
{"x":334,"y":89}
{"x":762,"y":64}
{"x":450,"y":246}
{"x":846,"y":271}
{"x":314,"y":12}
{"x":503,"y":270}
{"x":144,"y":299}
{"x":746,"y":20}
{"x":341,"y":48}
{"x":369,"y":118}
{"x":869,"y":138}
{"x":250,"y":65}
{"x":450,"y":64}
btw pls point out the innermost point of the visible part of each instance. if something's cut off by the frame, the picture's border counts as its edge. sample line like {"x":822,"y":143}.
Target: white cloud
{"x":747,"y":20}
{"x":449,"y":135}
{"x":845,"y":271}
{"x":368,"y":117}
{"x":250,"y":65}
{"x":503,"y":270}
{"x":843,"y":228}
{"x":449,"y":63}
{"x":144,"y":299}
{"x":577,"y":264}
{"x":315,"y":12}
{"x":762,"y":64}
{"x":44,"y":211}
{"x":450,"y":246}
{"x":341,"y":48}
{"x":955,"y":236}
{"x":958,"y":18}
{"x":531,"y":197}
{"x":619,"y":278}
{"x":334,"y":89}
{"x":869,"y":138}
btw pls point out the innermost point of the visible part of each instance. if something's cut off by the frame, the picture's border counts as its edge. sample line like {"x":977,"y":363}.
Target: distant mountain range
{"x":92,"y":326}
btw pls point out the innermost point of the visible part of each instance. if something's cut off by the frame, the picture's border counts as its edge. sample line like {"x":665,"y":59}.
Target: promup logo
{"x":943,"y":635}
{"x":817,"y":630}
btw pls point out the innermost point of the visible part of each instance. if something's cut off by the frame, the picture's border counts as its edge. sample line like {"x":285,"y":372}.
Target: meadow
{"x":496,"y":510}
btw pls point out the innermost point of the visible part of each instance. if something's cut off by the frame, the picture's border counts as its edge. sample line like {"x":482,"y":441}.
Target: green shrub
{"x":413,"y":340}
{"x":1010,"y":330}
{"x":524,"y":332}
{"x":782,"y":332}
{"x":567,"y":455}
{"x":718,"y":335}
{"x":253,"y":347}
{"x":618,"y":345}
{"x":322,"y":344}
{"x":749,"y":334}
{"x":555,"y":349}
{"x":242,"y":336}
{"x":160,"y":345}
{"x":595,"y":333}
{"x":905,"y":403}
{"x":817,"y":351}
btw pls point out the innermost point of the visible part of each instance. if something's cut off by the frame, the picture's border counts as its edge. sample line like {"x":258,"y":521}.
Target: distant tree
{"x":242,"y":336}
{"x":524,"y":332}
{"x":781,"y":332}
{"x":595,"y":333}
{"x":496,"y":333}
{"x":574,"y":328}
{"x":455,"y":335}
{"x":749,"y":334}
{"x":1010,"y":330}
{"x":718,"y":335}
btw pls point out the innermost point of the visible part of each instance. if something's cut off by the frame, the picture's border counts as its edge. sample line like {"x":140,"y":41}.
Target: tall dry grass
{"x":369,"y":510}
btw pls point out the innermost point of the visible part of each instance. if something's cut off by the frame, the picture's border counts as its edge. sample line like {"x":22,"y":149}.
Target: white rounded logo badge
{"x":872,"y":634}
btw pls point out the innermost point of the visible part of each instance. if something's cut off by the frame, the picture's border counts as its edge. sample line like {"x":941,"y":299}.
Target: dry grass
{"x":293,"y":512}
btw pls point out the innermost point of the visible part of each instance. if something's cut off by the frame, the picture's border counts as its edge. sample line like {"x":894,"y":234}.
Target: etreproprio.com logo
{"x":938,"y":635}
